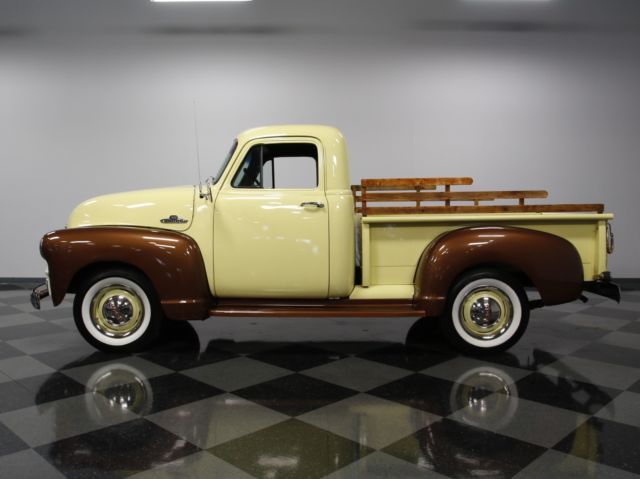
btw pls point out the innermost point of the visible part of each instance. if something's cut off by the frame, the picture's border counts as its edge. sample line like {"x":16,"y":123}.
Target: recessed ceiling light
{"x":508,"y":1}
{"x":192,"y":1}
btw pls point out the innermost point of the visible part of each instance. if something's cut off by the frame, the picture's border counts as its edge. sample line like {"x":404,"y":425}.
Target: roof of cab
{"x":323,"y":133}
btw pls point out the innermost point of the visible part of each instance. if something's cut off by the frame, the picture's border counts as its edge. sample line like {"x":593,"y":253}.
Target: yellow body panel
{"x":341,"y":243}
{"x":267,"y":245}
{"x":137,"y":208}
{"x":392,"y":245}
{"x":202,"y":232}
{"x":392,"y":291}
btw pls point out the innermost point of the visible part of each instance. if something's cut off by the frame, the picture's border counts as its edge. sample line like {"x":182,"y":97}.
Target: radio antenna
{"x":195,"y":124}
{"x":206,"y":195}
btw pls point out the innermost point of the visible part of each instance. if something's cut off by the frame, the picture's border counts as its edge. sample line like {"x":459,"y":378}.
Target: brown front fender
{"x":550,"y":262}
{"x":172,"y":261}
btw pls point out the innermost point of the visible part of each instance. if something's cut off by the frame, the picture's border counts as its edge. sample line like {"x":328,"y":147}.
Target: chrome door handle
{"x":317,"y":204}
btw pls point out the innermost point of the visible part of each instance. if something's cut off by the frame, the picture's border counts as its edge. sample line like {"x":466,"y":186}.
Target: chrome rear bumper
{"x":39,"y":292}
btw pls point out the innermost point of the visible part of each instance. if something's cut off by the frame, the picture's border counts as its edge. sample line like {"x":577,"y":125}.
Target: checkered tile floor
{"x":316,"y":398}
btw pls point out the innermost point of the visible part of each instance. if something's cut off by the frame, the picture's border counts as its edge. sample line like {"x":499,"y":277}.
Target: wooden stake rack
{"x":431,"y":191}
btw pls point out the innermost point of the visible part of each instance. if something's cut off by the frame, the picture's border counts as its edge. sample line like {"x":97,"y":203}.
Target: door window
{"x":281,"y":166}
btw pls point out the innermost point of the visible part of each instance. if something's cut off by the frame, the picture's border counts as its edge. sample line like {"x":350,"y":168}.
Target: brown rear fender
{"x":172,"y":261}
{"x":550,"y":262}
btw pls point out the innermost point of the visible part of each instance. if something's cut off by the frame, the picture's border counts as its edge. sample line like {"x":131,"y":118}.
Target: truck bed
{"x":413,"y":213}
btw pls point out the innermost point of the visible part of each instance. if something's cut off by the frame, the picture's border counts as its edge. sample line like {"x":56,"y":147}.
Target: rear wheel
{"x":487,"y":312}
{"x":117,"y":310}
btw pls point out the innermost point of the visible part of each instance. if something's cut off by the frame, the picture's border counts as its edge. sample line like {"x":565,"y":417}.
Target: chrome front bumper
{"x":39,"y":293}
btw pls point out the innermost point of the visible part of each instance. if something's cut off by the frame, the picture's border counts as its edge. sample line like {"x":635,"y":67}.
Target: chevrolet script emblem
{"x":173,"y":219}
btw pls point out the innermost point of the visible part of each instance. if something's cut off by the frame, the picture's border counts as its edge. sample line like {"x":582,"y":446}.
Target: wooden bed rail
{"x":421,"y":190}
{"x":413,"y":183}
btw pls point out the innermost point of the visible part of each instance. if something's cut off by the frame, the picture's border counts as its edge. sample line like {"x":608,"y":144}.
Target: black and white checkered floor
{"x":312,"y":398}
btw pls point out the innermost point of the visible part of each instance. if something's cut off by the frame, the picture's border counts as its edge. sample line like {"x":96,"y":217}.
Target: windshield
{"x":226,"y":161}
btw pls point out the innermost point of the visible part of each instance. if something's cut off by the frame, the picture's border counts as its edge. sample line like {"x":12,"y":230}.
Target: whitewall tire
{"x":487,"y":312}
{"x":117,"y":310}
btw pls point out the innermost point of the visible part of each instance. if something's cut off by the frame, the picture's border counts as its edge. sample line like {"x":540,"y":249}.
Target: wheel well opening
{"x":520,"y":276}
{"x":95,"y":268}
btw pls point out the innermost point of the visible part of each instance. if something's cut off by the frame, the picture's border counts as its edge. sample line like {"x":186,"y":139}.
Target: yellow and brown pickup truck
{"x":280,"y":231}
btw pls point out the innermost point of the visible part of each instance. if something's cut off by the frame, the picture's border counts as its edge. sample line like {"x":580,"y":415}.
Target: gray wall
{"x":96,"y":97}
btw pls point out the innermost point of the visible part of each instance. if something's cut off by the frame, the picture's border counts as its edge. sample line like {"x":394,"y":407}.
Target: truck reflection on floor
{"x":117,"y":394}
{"x":456,"y":451}
{"x":484,"y":398}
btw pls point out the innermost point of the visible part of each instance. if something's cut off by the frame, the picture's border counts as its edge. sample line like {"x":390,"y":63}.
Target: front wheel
{"x":487,"y":312}
{"x":117,"y":310}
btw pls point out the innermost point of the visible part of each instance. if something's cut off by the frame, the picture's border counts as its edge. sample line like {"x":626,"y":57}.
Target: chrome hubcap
{"x":116,"y":311}
{"x":486,"y":313}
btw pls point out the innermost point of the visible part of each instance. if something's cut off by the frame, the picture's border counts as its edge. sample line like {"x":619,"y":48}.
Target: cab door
{"x":271,"y":236}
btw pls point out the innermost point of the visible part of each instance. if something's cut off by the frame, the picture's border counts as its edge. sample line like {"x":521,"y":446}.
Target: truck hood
{"x":166,"y":208}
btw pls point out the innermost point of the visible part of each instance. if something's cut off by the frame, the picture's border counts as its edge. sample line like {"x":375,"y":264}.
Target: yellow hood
{"x":167,"y":208}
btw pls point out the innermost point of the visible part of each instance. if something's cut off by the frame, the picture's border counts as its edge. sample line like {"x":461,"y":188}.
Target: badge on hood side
{"x":173,"y":219}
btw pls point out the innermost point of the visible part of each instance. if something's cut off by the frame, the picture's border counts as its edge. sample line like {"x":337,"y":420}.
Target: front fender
{"x":172,"y":261}
{"x":551,"y":263}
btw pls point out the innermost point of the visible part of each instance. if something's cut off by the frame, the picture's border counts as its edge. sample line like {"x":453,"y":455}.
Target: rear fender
{"x":171,"y":261}
{"x":551,"y":263}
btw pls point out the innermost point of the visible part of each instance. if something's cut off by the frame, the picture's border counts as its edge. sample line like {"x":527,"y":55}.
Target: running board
{"x":313,"y":308}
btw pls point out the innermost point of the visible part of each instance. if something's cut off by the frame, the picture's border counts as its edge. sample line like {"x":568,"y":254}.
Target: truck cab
{"x":283,"y":217}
